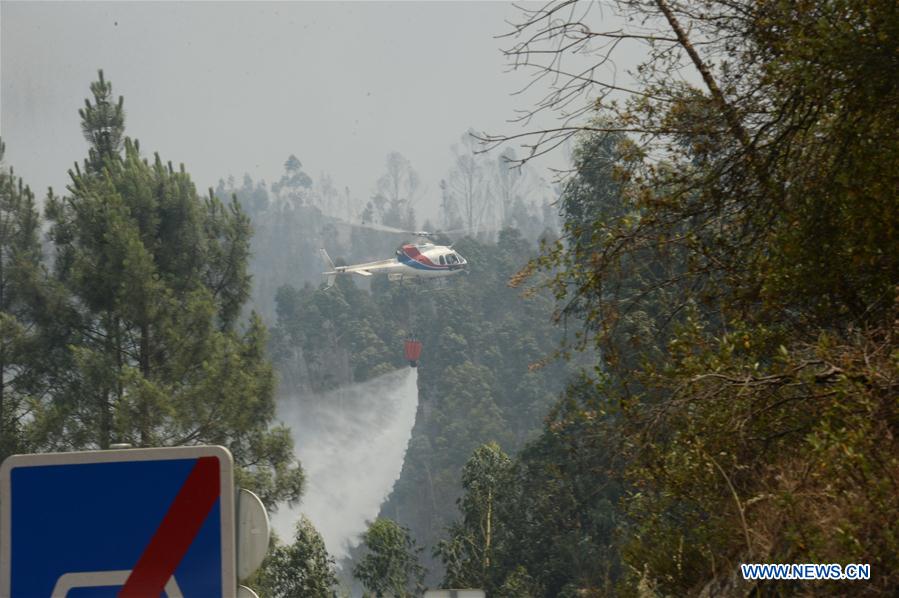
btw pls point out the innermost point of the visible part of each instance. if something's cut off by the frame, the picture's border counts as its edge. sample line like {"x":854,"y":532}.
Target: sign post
{"x":253,"y":533}
{"x":137,"y":522}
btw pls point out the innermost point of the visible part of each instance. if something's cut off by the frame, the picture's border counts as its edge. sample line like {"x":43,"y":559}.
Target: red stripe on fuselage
{"x":413,"y":253}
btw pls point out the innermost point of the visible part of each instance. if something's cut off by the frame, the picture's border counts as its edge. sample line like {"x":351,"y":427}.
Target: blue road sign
{"x":137,"y":522}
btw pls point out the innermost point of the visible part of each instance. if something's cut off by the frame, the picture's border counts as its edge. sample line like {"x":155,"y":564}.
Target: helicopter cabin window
{"x":442,"y":261}
{"x":451,"y":259}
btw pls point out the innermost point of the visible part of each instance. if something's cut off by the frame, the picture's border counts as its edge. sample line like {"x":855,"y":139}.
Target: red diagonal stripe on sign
{"x":176,"y":533}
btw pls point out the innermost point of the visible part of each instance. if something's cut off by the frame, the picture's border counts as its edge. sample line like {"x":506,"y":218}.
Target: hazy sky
{"x":235,"y":87}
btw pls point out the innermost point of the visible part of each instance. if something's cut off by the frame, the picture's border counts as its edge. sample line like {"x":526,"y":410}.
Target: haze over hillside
{"x":310,"y":234}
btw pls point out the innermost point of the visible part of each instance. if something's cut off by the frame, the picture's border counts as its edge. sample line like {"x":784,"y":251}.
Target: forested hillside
{"x":297,"y":215}
{"x":730,"y":253}
{"x":480,"y":378}
{"x":680,"y":359}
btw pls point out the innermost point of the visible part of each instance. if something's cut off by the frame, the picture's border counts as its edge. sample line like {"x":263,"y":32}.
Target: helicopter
{"x":411,"y":261}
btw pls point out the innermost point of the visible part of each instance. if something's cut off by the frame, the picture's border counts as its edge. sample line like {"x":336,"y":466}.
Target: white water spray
{"x":351,"y":443}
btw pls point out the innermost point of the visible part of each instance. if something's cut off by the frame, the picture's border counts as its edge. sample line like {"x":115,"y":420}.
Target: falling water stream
{"x":351,"y":442}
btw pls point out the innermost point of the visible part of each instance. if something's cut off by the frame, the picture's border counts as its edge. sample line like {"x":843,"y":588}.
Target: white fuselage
{"x":412,"y":261}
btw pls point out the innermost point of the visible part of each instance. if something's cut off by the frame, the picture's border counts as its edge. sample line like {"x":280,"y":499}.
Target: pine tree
{"x":103,"y":123}
{"x":157,"y":277}
{"x":20,"y":256}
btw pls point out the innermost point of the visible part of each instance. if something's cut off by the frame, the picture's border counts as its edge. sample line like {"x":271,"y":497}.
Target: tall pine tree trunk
{"x":105,"y":407}
{"x":145,"y":372}
{"x":119,"y":391}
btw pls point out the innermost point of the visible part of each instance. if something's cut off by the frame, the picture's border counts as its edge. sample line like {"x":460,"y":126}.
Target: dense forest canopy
{"x":130,"y":332}
{"x":730,"y":253}
{"x":687,"y":362}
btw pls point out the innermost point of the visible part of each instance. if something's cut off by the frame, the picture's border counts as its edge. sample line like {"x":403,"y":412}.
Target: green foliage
{"x":475,"y":383}
{"x":291,"y":223}
{"x":554,"y":512}
{"x":562,"y":515}
{"x":21,"y":279}
{"x":294,"y":184}
{"x":155,"y":277}
{"x":469,"y":553}
{"x":103,"y":123}
{"x":389,"y":565}
{"x":340,"y":335}
{"x":735,"y":276}
{"x":519,"y":585}
{"x":303,"y":568}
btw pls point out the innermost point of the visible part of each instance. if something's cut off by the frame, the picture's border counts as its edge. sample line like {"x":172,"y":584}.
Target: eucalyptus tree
{"x":294,"y":188}
{"x":468,"y":181}
{"x":736,"y":277}
{"x":299,"y":569}
{"x":469,"y":553}
{"x":389,"y":566}
{"x":400,"y":186}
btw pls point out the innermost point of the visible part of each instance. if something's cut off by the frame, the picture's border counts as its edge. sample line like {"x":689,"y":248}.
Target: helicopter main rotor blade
{"x":467,"y":231}
{"x":398,"y":231}
{"x":424,"y":233}
{"x":384,"y":228}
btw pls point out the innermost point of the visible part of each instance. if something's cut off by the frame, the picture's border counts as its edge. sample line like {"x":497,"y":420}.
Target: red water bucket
{"x":413,"y":351}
